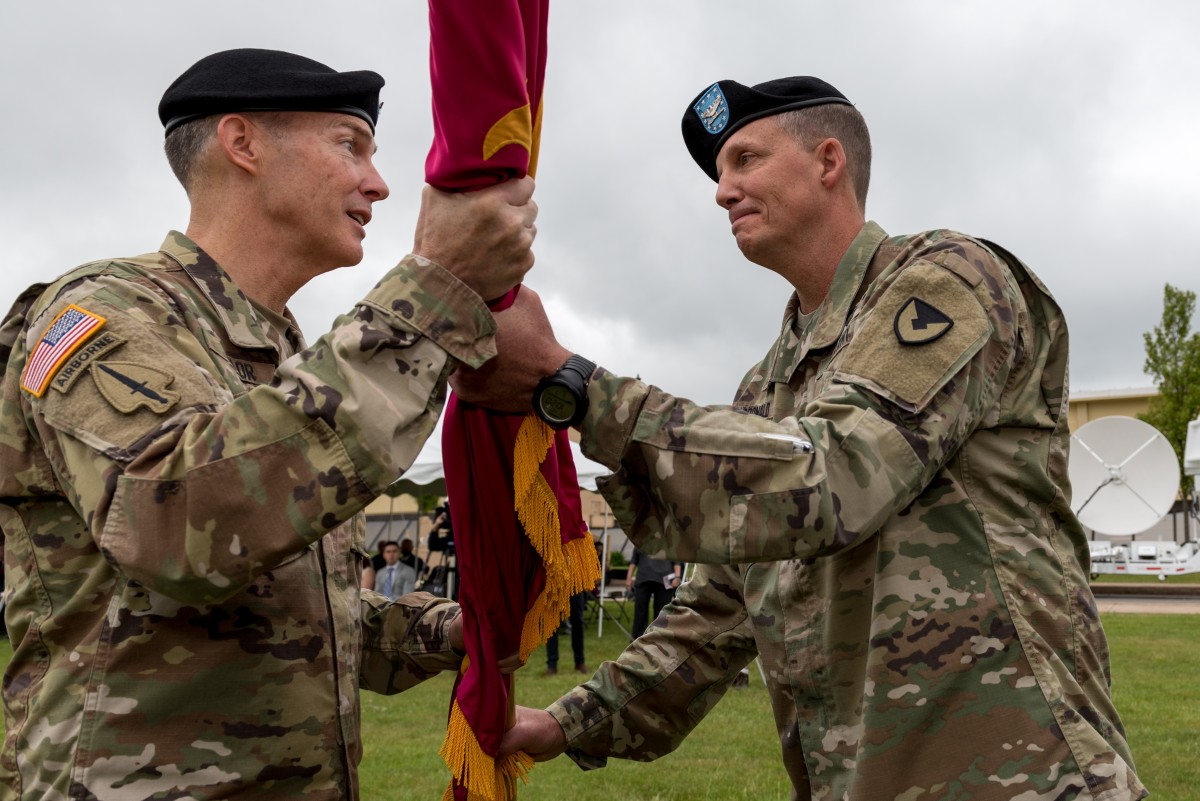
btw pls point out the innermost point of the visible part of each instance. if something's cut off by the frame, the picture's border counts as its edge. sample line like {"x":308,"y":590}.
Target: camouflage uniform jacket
{"x":883,"y":517}
{"x":182,"y":532}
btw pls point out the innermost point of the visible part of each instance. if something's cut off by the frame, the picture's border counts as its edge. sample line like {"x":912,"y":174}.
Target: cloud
{"x":1061,"y":130}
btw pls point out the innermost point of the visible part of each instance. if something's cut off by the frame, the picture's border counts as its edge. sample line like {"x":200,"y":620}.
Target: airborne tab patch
{"x":918,"y":323}
{"x":83,"y":358}
{"x":128,"y":386}
{"x":70,"y":329}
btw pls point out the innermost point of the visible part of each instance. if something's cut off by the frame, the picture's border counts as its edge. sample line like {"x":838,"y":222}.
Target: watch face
{"x":557,"y":403}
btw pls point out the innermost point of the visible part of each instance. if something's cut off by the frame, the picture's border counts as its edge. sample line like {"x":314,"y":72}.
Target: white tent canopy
{"x":427,"y":477}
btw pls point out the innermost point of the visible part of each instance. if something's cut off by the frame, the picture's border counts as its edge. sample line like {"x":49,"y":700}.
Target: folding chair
{"x":616,"y":595}
{"x":607,"y":594}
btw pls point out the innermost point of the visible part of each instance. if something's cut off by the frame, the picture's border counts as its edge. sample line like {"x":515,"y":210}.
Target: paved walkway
{"x":1152,"y":598}
{"x":1132,"y":604}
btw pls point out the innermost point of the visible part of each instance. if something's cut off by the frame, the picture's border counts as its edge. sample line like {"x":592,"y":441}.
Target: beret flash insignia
{"x":713,"y":109}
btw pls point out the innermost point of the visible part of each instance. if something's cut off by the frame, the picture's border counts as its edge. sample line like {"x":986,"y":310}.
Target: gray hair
{"x":843,"y":123}
{"x":186,"y":144}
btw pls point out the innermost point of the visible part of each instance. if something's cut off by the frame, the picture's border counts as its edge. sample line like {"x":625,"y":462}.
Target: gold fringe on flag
{"x":570,"y":569}
{"x":475,"y":770}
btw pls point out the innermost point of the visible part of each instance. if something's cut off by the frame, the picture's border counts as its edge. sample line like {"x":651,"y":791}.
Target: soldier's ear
{"x":241,"y":142}
{"x":832,"y":158}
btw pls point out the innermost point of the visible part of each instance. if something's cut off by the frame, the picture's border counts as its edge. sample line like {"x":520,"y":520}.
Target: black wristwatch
{"x":561,"y":399}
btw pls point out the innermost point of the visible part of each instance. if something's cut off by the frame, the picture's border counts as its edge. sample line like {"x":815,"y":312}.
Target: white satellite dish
{"x":1124,"y":475}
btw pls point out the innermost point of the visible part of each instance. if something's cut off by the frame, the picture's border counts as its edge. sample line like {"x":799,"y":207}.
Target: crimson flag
{"x":487,"y":61}
{"x":522,"y":546}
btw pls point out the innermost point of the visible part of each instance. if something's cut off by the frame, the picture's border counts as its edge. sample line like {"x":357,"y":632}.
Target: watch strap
{"x":581,"y":366}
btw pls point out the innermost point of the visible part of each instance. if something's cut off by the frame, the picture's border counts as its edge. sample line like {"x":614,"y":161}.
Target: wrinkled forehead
{"x":760,"y":130}
{"x":758,"y":135}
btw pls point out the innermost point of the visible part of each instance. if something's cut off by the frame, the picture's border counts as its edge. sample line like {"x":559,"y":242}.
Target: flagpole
{"x":603,"y":575}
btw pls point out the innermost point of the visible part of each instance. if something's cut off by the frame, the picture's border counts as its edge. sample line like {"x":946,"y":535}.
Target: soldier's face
{"x":768,"y":183}
{"x":321,"y":184}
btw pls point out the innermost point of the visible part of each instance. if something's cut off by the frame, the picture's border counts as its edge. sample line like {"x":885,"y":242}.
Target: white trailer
{"x":1145,"y":558}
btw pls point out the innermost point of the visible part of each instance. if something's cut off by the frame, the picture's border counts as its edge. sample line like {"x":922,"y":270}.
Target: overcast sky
{"x":1066,"y":131}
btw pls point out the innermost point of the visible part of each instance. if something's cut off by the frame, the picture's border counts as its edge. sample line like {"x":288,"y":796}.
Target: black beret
{"x":725,"y":106}
{"x":267,"y":80}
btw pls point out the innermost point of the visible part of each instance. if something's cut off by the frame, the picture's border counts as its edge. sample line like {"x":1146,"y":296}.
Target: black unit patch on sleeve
{"x":918,"y":323}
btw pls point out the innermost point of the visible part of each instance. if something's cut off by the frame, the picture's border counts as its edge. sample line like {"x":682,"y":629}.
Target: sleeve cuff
{"x":573,"y":726}
{"x":614,"y":404}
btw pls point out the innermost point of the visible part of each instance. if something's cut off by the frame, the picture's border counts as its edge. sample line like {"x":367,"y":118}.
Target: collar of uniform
{"x":238,"y":316}
{"x":828,"y":320}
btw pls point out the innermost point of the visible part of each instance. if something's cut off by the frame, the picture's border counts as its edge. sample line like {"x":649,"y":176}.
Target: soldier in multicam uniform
{"x":182,"y":477}
{"x":882,"y":515}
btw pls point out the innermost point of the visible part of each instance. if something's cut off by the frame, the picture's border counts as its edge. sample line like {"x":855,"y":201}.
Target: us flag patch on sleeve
{"x":68,"y":331}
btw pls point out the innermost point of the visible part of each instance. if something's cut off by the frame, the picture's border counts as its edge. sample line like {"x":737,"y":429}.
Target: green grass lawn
{"x":734,"y":753}
{"x":1155,"y":665}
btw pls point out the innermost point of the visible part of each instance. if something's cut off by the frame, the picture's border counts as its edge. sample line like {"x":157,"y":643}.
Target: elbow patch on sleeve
{"x":862,"y":477}
{"x":232,"y":518}
{"x":923,"y":330}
